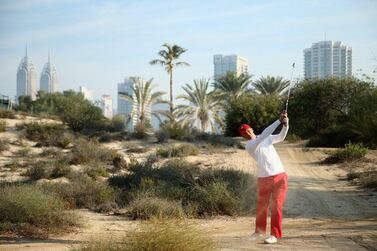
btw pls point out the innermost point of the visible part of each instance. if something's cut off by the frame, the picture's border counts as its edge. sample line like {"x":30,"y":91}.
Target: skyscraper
{"x":49,"y":80}
{"x":127,"y":107}
{"x":232,"y":63}
{"x":327,"y":59}
{"x":107,"y":106}
{"x":26,"y":78}
{"x":88,"y":94}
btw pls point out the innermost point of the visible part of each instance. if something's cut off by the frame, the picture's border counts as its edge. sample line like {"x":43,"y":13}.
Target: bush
{"x":85,"y":151}
{"x":350,"y":152}
{"x":60,"y":169}
{"x":4,"y":145}
{"x":29,"y":211}
{"x":182,"y":150}
{"x":3,"y":125}
{"x":201,"y":192}
{"x":331,"y":112}
{"x":95,"y":170}
{"x":158,"y":235}
{"x":40,"y":170}
{"x":217,"y":140}
{"x":366,"y":179}
{"x":5,"y":114}
{"x":257,"y":111}
{"x":175,"y":130}
{"x":141,"y":130}
{"x":162,"y":136}
{"x":48,"y":134}
{"x":118,"y":123}
{"x":147,"y":207}
{"x":83,"y":192}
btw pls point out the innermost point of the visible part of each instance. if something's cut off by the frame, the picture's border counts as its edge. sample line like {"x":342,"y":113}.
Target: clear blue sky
{"x":98,"y":43}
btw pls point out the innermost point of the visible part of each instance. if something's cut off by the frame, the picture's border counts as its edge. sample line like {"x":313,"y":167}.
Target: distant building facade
{"x":230,"y":63}
{"x":49,"y":79}
{"x":327,"y":59}
{"x":88,"y":94}
{"x":107,"y":106}
{"x":26,"y":78}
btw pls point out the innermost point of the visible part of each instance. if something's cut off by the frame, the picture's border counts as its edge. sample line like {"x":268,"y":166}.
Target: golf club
{"x":289,"y":90}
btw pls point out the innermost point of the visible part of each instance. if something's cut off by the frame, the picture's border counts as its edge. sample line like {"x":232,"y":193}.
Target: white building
{"x":88,"y":94}
{"x":49,"y":80}
{"x":26,"y":78}
{"x":107,"y":106}
{"x":327,"y":59}
{"x":232,"y":63}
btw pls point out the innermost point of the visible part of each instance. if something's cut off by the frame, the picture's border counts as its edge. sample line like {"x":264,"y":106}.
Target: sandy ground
{"x":322,"y":212}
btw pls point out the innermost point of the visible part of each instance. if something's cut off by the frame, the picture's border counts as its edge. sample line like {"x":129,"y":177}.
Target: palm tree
{"x":144,"y":98}
{"x":271,"y":85}
{"x":203,"y":106}
{"x":232,"y":86}
{"x":168,"y":57}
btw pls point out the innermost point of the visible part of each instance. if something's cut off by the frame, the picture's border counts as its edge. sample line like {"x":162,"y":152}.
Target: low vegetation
{"x":4,"y":145}
{"x":6,"y":114}
{"x":84,"y":192}
{"x":181,"y":150}
{"x":350,"y":152}
{"x":48,"y":134}
{"x":86,"y":151}
{"x":3,"y":125}
{"x":27,"y":210}
{"x":200,"y":192}
{"x":146,"y":207}
{"x":158,"y":235}
{"x":367,"y":179}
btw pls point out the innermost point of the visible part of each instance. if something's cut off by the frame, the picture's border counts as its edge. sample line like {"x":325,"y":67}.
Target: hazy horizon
{"x":98,"y":43}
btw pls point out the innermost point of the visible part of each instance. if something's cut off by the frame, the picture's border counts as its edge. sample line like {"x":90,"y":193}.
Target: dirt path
{"x":321,"y":213}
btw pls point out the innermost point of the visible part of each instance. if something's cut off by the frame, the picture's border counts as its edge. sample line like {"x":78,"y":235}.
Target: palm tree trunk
{"x":171,"y":92}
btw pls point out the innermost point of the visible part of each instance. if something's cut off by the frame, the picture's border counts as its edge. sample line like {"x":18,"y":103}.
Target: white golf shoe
{"x":256,"y":236}
{"x":271,"y":240}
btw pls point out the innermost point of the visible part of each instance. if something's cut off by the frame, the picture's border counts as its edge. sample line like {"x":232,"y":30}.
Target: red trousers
{"x":276,"y":187}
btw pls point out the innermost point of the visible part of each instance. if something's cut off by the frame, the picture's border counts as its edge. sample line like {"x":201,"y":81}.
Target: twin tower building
{"x":27,"y":78}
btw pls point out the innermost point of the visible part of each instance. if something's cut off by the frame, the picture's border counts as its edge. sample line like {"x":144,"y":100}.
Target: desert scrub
{"x":24,"y":152}
{"x":158,"y":235}
{"x":86,"y":151}
{"x":5,"y":114}
{"x":28,"y":210}
{"x":40,"y":170}
{"x":4,"y":145}
{"x":3,"y":125}
{"x":350,"y":152}
{"x":182,"y":150}
{"x":366,"y":179}
{"x":48,"y":134}
{"x":201,"y":192}
{"x":95,"y":170}
{"x":83,"y":192}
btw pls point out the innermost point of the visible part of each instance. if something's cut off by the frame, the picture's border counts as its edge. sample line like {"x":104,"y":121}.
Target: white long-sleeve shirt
{"x":263,"y":150}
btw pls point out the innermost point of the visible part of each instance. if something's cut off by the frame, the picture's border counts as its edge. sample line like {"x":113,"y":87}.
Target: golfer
{"x":272,"y":180}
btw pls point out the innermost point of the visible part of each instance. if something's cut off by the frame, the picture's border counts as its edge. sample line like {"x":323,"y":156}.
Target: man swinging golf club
{"x":272,"y":180}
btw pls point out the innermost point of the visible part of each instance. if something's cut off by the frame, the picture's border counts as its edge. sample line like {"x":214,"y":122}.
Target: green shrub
{"x":6,"y":114}
{"x":95,"y":170}
{"x":147,"y":207}
{"x":175,"y":130}
{"x":3,"y":125}
{"x":201,"y":192}
{"x":141,"y":130}
{"x":157,"y":235}
{"x":366,"y":179}
{"x":48,"y":134}
{"x":350,"y":152}
{"x":85,"y":151}
{"x":182,"y":150}
{"x":29,"y":211}
{"x":162,"y":136}
{"x":118,"y":123}
{"x":60,"y":169}
{"x":258,"y":111}
{"x":214,"y":199}
{"x":4,"y":145}
{"x":83,"y":192}
{"x":40,"y":170}
{"x":217,"y":140}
